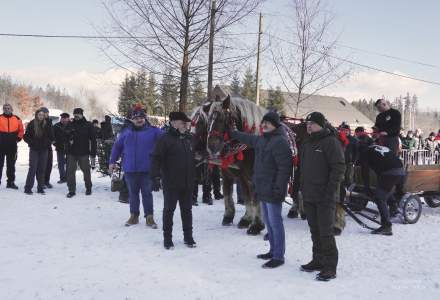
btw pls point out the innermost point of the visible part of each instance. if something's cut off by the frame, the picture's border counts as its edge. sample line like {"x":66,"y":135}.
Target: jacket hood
{"x":316,"y":136}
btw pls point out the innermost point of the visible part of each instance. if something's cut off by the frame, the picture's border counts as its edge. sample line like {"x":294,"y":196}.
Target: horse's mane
{"x":249,"y":112}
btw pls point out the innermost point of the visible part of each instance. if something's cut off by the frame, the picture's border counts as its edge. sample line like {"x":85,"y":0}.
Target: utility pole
{"x":260,"y":33}
{"x":211,"y":49}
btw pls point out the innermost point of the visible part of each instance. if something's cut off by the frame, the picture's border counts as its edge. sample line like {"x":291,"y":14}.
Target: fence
{"x":420,"y":157}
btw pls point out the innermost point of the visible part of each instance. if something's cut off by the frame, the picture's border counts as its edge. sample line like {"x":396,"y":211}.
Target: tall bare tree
{"x":163,"y":35}
{"x":306,"y":63}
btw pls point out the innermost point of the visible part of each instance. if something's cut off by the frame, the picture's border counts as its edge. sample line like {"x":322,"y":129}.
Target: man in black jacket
{"x":390,"y":175}
{"x":388,"y":124}
{"x":272,"y":168}
{"x":61,"y":143}
{"x":173,"y":162}
{"x":82,"y":146}
{"x":322,"y":171}
{"x":49,"y":166}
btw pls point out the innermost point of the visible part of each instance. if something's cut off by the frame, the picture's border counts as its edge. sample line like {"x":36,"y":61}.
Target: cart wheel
{"x":357,"y":201}
{"x":432,"y":201}
{"x":411,"y":208}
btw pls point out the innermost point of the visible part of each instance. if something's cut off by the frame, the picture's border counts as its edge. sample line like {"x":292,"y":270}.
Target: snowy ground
{"x":52,"y":247}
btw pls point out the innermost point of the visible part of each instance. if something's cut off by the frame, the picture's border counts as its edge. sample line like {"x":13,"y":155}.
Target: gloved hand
{"x":156,"y":186}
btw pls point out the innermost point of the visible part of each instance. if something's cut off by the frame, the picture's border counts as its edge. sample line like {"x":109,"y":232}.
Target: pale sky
{"x":401,"y":28}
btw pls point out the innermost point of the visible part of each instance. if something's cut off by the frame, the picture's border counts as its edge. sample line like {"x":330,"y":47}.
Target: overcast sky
{"x":401,"y":28}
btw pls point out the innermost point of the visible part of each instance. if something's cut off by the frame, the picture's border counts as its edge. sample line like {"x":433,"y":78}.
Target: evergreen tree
{"x":127,"y":95}
{"x":151,"y":94}
{"x":197,"y":94}
{"x":169,"y":92}
{"x":275,"y":100}
{"x":235,"y":85}
{"x":248,"y":85}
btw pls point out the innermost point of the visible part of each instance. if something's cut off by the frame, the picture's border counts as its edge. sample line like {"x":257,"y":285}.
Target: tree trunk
{"x":184,"y":76}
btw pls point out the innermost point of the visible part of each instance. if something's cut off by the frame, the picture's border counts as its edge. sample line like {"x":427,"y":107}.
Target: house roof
{"x":335,"y":109}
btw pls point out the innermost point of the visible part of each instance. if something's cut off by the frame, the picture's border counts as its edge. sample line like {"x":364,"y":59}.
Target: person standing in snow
{"x":322,"y":166}
{"x":272,"y":169}
{"x":173,"y":164}
{"x":61,"y":142}
{"x":11,"y":132}
{"x":39,"y":137}
{"x":82,"y":144}
{"x":48,"y":169}
{"x":135,"y":145}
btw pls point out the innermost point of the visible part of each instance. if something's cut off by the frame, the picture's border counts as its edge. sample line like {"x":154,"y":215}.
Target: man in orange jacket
{"x":11,"y":132}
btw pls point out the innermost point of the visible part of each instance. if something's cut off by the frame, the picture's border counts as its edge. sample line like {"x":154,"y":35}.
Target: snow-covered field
{"x":52,"y":247}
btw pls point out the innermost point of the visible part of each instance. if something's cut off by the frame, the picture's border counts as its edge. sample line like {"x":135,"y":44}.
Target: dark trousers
{"x":62,"y":161}
{"x":321,"y":218}
{"x":37,"y":168}
{"x":49,"y":165}
{"x":215,"y":178}
{"x":139,"y":182}
{"x":385,"y":194}
{"x":84,"y":165}
{"x":275,"y":228}
{"x":171,"y":197}
{"x":392,"y":142}
{"x":11,"y":157}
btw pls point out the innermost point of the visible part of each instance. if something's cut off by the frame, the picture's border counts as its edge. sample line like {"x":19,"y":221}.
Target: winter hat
{"x":78,"y":111}
{"x":273,"y":118}
{"x":178,"y":115}
{"x":65,"y":115}
{"x":138,"y":112}
{"x":44,"y":109}
{"x":317,"y":118}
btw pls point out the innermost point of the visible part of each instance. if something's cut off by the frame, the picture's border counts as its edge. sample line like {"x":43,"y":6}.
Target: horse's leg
{"x":245,"y":186}
{"x":228,"y":185}
{"x":257,"y":224}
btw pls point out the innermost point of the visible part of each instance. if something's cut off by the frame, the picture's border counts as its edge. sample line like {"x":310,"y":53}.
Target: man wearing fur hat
{"x":322,"y":166}
{"x":173,"y":168}
{"x":135,"y":144}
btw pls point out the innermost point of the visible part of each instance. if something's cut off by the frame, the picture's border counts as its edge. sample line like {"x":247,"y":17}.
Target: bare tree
{"x":162,"y":35}
{"x":306,"y":64}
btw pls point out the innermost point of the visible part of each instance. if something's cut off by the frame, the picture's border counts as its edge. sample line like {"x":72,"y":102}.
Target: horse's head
{"x":199,"y":126}
{"x":222,"y":115}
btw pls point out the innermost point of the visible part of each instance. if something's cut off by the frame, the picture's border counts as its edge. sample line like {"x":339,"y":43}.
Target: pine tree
{"x":248,"y":85}
{"x":275,"y":100}
{"x":235,"y":85}
{"x":141,"y":89}
{"x":197,"y":94}
{"x":151,"y":94}
{"x":169,"y":92}
{"x":127,"y":95}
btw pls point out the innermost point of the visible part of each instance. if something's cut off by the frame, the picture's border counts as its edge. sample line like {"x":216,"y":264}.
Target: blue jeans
{"x":139,"y":182}
{"x":61,"y":159}
{"x":275,"y":228}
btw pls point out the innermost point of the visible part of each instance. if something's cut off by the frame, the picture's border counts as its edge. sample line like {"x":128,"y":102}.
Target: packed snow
{"x":52,"y":247}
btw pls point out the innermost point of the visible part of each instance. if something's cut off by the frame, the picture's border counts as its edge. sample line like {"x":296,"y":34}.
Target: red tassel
{"x":240,"y":155}
{"x":226,"y":136}
{"x":245,"y":126}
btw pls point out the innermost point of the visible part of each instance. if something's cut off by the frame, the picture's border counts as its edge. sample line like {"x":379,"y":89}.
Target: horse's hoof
{"x":293,"y":214}
{"x":255,"y":229}
{"x":227,"y":221}
{"x":243,"y":224}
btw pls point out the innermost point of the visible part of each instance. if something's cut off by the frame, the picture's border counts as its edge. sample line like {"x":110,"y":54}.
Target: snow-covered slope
{"x":52,"y":247}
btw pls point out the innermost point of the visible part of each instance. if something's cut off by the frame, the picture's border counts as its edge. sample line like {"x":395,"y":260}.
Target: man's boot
{"x":134,"y":219}
{"x":311,"y":267}
{"x":383,"y":230}
{"x":207,"y":199}
{"x":150,"y":222}
{"x":11,"y":185}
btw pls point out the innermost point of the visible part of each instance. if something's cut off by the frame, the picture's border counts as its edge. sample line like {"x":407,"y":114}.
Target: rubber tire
{"x":404,"y":202}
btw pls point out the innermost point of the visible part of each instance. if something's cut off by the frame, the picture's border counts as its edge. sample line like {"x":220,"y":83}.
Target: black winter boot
{"x":11,"y":185}
{"x":273,"y":263}
{"x":311,"y":267}
{"x":265,"y":256}
{"x":326,"y":275}
{"x":168,"y":243}
{"x":207,"y":199}
{"x":190,"y":242}
{"x":383,"y":230}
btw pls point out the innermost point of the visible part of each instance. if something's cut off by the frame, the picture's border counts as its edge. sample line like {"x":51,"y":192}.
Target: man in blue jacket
{"x":134,"y":145}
